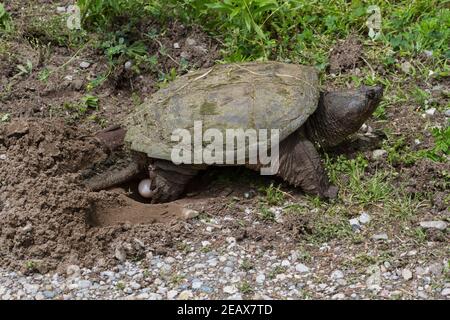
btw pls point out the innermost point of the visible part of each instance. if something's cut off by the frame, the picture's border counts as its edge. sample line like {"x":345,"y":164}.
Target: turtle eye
{"x":145,"y":188}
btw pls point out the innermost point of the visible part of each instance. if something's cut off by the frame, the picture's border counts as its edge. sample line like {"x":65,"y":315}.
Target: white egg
{"x":145,"y":188}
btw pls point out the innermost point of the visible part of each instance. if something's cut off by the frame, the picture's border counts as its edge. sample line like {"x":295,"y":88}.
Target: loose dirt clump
{"x":47,"y":213}
{"x":346,"y":55}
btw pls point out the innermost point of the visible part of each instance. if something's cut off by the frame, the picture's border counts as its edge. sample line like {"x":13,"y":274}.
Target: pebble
{"x":301,"y":268}
{"x":197,"y":284}
{"x":447,"y":113}
{"x":338,"y":296}
{"x":337,"y":274}
{"x":230,"y":289}
{"x":355,"y":224}
{"x":191,"y":42}
{"x":120,"y":253}
{"x":381,"y":236}
{"x":407,"y":274}
{"x":171,"y":294}
{"x":364,"y":218}
{"x":185,"y":295}
{"x":189,"y":213}
{"x":285,"y":263}
{"x":176,"y":45}
{"x":61,"y":9}
{"x":2,"y":156}
{"x":128,"y":65}
{"x":374,"y":280}
{"x":84,"y":284}
{"x":135,"y":285}
{"x":406,"y":67}
{"x":430,"y":112}
{"x":436,"y":269}
{"x":73,"y":270}
{"x":260,"y":278}
{"x":440,"y":225}
{"x":85,"y":65}
{"x":378,"y":154}
{"x":445,"y":292}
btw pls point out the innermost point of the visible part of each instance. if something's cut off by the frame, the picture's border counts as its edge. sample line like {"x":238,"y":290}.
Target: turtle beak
{"x":373,"y":98}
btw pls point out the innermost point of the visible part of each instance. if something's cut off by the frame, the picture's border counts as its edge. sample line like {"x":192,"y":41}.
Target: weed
{"x":273,"y":195}
{"x":5,"y":117}
{"x":247,"y":265}
{"x":245,"y":288}
{"x":5,"y":20}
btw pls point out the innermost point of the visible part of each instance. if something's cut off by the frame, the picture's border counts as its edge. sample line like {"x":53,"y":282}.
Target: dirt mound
{"x":345,"y":55}
{"x":46,"y":211}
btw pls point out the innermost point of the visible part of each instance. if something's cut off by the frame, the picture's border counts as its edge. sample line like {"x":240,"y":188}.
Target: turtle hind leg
{"x":115,"y":176}
{"x":168,"y":180}
{"x":301,"y":166}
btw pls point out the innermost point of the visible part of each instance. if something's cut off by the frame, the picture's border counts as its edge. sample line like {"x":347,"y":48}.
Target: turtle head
{"x":341,"y":114}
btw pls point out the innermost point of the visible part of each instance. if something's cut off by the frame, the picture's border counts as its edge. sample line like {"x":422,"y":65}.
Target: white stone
{"x":260,"y":278}
{"x":128,"y":65}
{"x":301,"y":268}
{"x":378,"y":154}
{"x":176,"y":45}
{"x":189,"y":213}
{"x":84,"y":284}
{"x":285,"y":263}
{"x":406,"y":67}
{"x":338,"y":296}
{"x":381,"y":236}
{"x":61,"y":9}
{"x":337,"y":274}
{"x":197,"y":284}
{"x":73,"y":270}
{"x":364,"y":218}
{"x":172,"y":294}
{"x":85,"y":65}
{"x":185,"y":295}
{"x":430,"y":112}
{"x":230,"y":289}
{"x":445,"y":292}
{"x":440,"y":225}
{"x":407,"y":274}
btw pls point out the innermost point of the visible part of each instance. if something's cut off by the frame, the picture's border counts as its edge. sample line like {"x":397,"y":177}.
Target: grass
{"x":5,"y":20}
{"x":296,"y":31}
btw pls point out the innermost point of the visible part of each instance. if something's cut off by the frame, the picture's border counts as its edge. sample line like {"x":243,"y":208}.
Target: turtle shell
{"x":266,"y":95}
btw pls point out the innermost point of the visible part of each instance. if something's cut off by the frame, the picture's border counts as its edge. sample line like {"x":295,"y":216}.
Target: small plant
{"x":276,"y":271}
{"x":120,"y":286}
{"x":30,"y":265}
{"x":89,"y":101}
{"x":441,"y":149}
{"x":266,"y":214}
{"x":245,"y":288}
{"x":5,"y":117}
{"x":25,"y":69}
{"x":5,"y":19}
{"x":247,"y":265}
{"x":273,"y":195}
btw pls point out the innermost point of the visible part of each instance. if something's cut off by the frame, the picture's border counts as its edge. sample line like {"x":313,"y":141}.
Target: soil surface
{"x":51,"y":222}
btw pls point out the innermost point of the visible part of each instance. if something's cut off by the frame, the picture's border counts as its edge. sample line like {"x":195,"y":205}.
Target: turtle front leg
{"x":168,"y":180}
{"x":301,"y":166}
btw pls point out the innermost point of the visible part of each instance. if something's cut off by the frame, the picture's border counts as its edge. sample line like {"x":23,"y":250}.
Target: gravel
{"x":212,"y":268}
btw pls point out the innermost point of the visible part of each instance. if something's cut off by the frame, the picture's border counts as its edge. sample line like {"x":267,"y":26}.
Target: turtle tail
{"x":114,"y":177}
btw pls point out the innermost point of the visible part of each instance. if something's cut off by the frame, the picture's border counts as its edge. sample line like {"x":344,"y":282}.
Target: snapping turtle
{"x":267,"y":95}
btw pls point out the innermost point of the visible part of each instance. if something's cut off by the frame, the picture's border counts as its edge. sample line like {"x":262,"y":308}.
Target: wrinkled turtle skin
{"x":259,"y":95}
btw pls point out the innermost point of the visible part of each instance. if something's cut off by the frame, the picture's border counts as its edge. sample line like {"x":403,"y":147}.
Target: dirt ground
{"x":50,"y":220}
